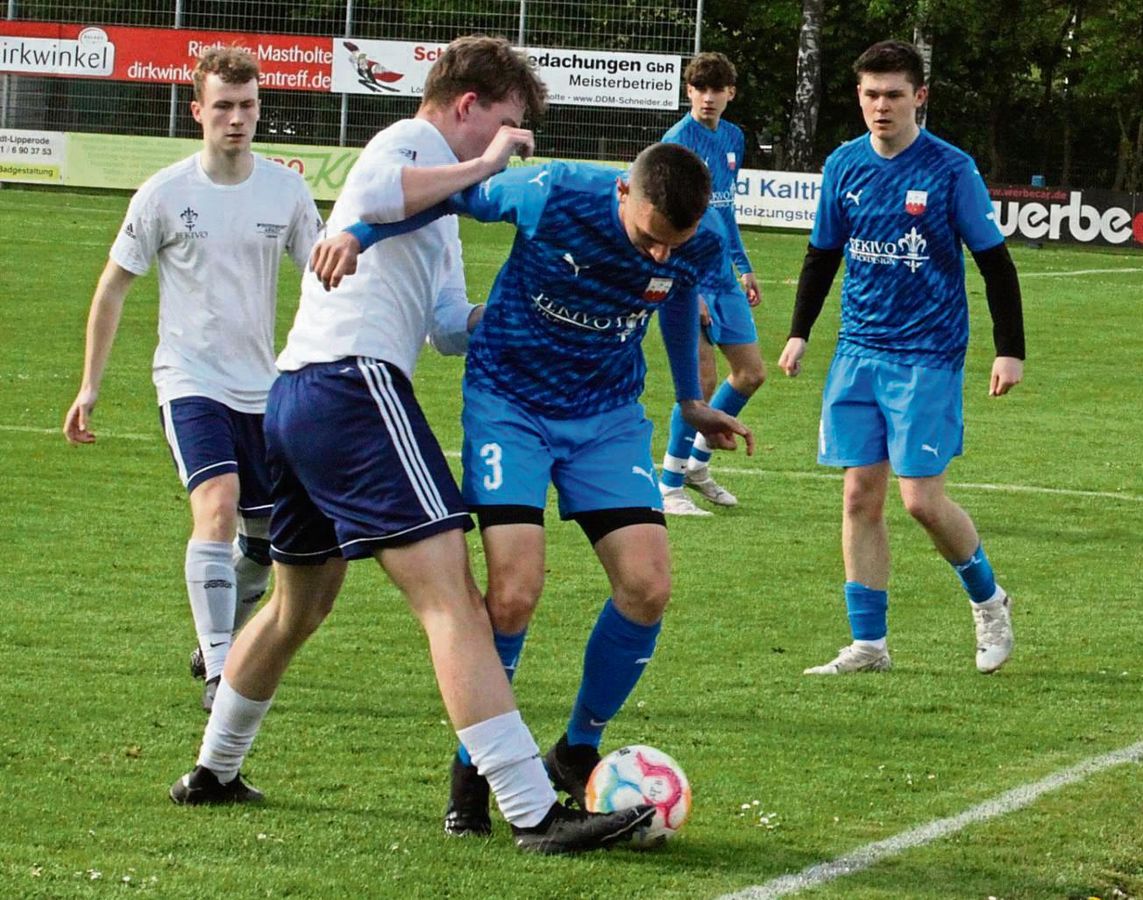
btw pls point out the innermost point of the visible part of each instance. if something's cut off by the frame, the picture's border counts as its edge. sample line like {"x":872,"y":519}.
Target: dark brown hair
{"x":674,"y":180}
{"x":488,"y":67}
{"x":711,"y":70}
{"x":886,"y":57}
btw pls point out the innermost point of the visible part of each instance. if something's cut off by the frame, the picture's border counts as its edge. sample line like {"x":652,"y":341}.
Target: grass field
{"x":98,"y":714}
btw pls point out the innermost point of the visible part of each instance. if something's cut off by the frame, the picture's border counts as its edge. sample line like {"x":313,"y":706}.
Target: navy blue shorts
{"x":208,"y":438}
{"x":354,"y":465}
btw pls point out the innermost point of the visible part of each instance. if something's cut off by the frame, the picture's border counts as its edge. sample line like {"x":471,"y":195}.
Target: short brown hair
{"x":890,"y":57}
{"x":234,"y":65}
{"x":488,"y":67}
{"x":711,"y":70}
{"x":674,"y":180}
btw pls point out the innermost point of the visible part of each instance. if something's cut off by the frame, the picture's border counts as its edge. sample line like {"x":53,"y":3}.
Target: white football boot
{"x":993,"y":633}
{"x":699,"y":478}
{"x":677,"y":503}
{"x":854,"y":658}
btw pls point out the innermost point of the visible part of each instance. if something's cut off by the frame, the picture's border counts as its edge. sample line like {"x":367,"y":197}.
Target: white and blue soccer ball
{"x":639,"y":774}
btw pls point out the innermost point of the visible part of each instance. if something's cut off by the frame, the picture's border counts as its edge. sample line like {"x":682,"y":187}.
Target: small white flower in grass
{"x":126,"y":879}
{"x":94,"y":874}
{"x":37,"y":871}
{"x":643,"y":703}
{"x":262,"y":836}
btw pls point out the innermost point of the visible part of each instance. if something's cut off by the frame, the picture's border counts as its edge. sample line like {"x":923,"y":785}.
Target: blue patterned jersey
{"x":722,"y":150}
{"x":562,"y":331}
{"x":901,"y":222}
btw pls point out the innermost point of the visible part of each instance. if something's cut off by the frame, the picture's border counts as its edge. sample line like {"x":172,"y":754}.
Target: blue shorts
{"x":208,"y":439}
{"x":354,"y":465}
{"x":731,"y":318}
{"x":874,"y":410}
{"x":596,"y":462}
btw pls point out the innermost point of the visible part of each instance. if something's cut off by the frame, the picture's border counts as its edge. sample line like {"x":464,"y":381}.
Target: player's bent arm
{"x":679,"y":324}
{"x":102,"y":325}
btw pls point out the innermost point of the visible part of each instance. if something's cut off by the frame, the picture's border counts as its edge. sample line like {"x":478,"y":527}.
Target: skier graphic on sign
{"x":371,"y":73}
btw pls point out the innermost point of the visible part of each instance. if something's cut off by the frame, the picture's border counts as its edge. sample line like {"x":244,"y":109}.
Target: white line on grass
{"x":730,"y":470}
{"x":864,"y":857}
{"x":1075,"y":272}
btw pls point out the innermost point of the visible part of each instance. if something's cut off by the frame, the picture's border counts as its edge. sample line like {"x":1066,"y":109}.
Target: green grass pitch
{"x":98,"y":714}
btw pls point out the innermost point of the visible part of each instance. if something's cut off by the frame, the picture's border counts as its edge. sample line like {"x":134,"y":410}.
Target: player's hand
{"x":790,"y":361}
{"x":77,"y":422}
{"x":720,"y":430}
{"x":1007,"y":372}
{"x":335,"y":257}
{"x":704,"y":313}
{"x":750,"y":285}
{"x":508,"y":142}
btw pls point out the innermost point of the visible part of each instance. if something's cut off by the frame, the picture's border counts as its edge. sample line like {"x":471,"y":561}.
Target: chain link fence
{"x":302,"y":117}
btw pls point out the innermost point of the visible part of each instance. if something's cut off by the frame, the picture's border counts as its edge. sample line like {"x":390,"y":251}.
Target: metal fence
{"x":297,"y":117}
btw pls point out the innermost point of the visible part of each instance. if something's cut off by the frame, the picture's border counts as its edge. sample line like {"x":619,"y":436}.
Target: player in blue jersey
{"x":897,"y":203}
{"x":551,"y":390}
{"x":725,"y":310}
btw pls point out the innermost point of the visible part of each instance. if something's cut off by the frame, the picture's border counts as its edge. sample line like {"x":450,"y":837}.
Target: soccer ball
{"x":641,"y":774}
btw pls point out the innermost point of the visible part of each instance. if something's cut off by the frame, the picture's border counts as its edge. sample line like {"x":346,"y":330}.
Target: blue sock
{"x":616,"y":654}
{"x":679,"y":444}
{"x":868,"y":612}
{"x":976,"y":576}
{"x":508,"y":648}
{"x":730,"y":402}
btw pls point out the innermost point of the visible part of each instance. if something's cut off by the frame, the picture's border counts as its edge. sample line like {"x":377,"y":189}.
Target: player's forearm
{"x":1002,"y":288}
{"x":102,"y":326}
{"x":818,"y":271}
{"x":678,"y":322}
{"x":427,"y":187}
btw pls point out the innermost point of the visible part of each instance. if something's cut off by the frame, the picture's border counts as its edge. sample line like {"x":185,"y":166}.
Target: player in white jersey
{"x":357,"y":472}
{"x":218,"y":224}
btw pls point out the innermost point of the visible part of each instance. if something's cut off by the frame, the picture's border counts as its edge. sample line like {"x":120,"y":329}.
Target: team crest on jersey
{"x":732,"y":161}
{"x":657,"y":289}
{"x":189,"y":217}
{"x":915,"y":202}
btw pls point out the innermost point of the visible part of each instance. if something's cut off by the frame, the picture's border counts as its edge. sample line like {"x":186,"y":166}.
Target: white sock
{"x":504,"y":751}
{"x":675,"y":464}
{"x":879,"y":644}
{"x":211,"y":588}
{"x":231,"y":729}
{"x":700,"y":444}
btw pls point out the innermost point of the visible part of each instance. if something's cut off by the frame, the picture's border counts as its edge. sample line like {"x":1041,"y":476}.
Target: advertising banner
{"x":777,"y":199}
{"x":163,"y":55}
{"x":574,"y":77}
{"x":1078,"y":217}
{"x":32,"y":156}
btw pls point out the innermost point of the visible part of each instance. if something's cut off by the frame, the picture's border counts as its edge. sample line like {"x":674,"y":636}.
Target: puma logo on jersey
{"x":855,"y":197}
{"x":570,"y":260}
{"x":929,"y":448}
{"x":639,"y":470}
{"x":539,"y":179}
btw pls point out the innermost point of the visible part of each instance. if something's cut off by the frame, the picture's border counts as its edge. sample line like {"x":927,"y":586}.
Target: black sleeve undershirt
{"x":818,"y":271}
{"x":1002,"y":288}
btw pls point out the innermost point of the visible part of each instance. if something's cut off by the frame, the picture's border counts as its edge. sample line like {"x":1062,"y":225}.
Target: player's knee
{"x":511,"y":610}
{"x":748,"y":379}
{"x":859,"y":502}
{"x":922,"y":508}
{"x":643,"y":595}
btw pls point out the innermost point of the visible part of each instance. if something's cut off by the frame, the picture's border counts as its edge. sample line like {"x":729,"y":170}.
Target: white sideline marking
{"x":864,"y":857}
{"x":755,"y":473}
{"x":1068,"y":274}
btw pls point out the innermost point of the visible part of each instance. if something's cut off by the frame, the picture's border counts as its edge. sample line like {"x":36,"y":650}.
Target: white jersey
{"x":386,"y":309}
{"x":218,"y":248}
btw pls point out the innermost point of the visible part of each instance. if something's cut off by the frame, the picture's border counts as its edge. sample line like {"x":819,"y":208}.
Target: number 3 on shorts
{"x":491,"y":454}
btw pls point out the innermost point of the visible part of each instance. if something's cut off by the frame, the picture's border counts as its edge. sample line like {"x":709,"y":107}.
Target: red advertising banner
{"x":163,"y":55}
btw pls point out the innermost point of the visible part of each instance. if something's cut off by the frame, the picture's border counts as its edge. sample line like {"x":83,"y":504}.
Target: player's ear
{"x":196,"y":110}
{"x":730,"y":93}
{"x":465,"y":103}
{"x":921,"y":96}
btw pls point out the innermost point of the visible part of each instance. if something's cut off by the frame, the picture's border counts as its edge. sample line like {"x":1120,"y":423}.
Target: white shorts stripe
{"x":173,"y":443}
{"x":390,"y":408}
